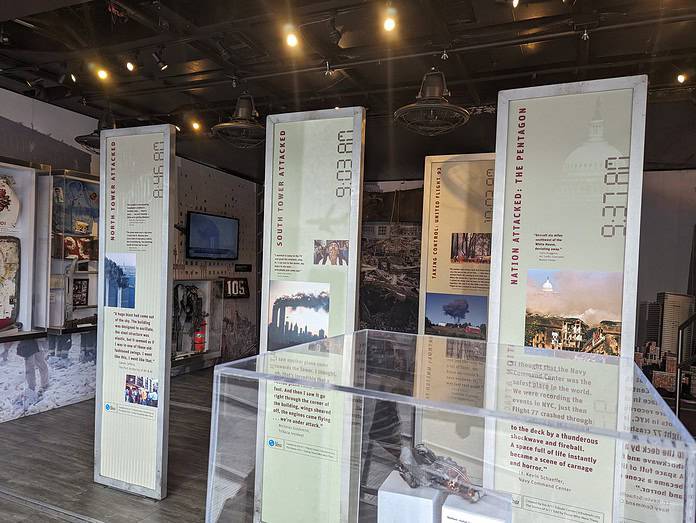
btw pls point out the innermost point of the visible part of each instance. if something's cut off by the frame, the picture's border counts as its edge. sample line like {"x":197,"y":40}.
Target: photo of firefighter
{"x":141,"y":390}
{"x":471,"y":247}
{"x":299,"y":313}
{"x":331,"y":252}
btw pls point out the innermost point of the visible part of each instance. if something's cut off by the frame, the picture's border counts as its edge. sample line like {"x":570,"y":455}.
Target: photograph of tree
{"x":456,"y":315}
{"x":471,"y":247}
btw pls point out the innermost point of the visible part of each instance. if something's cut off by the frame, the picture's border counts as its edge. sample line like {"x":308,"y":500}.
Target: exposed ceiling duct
{"x":432,"y":114}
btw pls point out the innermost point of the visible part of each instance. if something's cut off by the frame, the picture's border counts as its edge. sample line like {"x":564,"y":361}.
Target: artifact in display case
{"x":196,"y":319}
{"x":71,"y":220}
{"x":17,"y":232}
{"x":341,"y":430}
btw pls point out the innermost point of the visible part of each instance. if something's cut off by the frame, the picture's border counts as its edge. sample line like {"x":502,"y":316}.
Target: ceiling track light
{"x":291,"y":38}
{"x":585,"y":36}
{"x":515,"y":3}
{"x":681,"y":78}
{"x":389,"y":22}
{"x":157,"y":56}
{"x":444,"y":56}
{"x":328,"y":71}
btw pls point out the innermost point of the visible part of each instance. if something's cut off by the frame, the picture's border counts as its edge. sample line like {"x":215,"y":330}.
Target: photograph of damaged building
{"x":390,"y":255}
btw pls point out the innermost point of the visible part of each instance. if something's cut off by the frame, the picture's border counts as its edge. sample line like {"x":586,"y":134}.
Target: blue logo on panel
{"x":107,"y":407}
{"x":271,"y":443}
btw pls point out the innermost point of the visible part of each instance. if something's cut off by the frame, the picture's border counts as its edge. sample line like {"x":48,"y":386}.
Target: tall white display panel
{"x":137,"y":214}
{"x":568,"y":181}
{"x":314,"y":169}
{"x":311,"y":249}
{"x":455,"y":274}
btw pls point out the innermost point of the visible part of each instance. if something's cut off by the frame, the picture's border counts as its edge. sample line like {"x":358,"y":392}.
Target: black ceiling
{"x":217,"y":49}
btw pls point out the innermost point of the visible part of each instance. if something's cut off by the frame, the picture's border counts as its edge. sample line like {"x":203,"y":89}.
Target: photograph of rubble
{"x":390,"y":256}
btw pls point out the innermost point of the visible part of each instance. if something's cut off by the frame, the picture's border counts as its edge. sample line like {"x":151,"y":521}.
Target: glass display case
{"x":388,"y":427}
{"x":196,"y":320}
{"x":69,"y":219}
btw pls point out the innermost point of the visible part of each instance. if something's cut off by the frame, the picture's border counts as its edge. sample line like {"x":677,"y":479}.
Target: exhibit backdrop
{"x":135,"y":284}
{"x":566,"y":225}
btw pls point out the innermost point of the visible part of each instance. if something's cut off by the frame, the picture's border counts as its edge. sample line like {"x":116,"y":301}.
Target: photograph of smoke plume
{"x":299,"y":313}
{"x":574,"y":310}
{"x":456,"y":316}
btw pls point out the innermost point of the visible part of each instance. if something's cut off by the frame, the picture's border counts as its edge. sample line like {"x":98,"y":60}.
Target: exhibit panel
{"x":311,"y":225}
{"x":135,"y":289}
{"x":456,"y":245}
{"x":551,"y":458}
{"x":566,"y":221}
{"x":564,"y":270}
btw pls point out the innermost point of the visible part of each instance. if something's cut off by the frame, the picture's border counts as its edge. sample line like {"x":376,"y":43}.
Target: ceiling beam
{"x":13,"y":9}
{"x":442,"y":36}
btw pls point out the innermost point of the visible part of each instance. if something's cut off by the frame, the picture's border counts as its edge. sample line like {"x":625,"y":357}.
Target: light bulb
{"x":130,"y":66}
{"x":389,"y":23}
{"x":291,"y":40}
{"x":515,"y":3}
{"x":103,"y":74}
{"x":681,"y":78}
{"x":73,"y":78}
{"x":196,"y":126}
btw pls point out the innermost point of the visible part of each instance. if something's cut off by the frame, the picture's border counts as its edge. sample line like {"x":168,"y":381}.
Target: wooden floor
{"x":46,"y":464}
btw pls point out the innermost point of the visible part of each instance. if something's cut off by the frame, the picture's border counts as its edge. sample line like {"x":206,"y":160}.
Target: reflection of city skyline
{"x":657,"y":331}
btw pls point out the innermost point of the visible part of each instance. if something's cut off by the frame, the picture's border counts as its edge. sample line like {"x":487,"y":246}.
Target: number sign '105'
{"x":236,"y":288}
{"x":344,"y":163}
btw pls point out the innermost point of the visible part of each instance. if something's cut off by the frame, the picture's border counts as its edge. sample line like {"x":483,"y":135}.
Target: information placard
{"x":564,"y":269}
{"x":312,"y":226}
{"x":455,"y":268}
{"x":135,"y":286}
{"x":309,"y":293}
{"x":566,"y":222}
{"x":455,"y":278}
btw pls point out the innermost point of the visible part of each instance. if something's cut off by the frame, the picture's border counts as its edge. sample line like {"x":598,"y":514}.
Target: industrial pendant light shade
{"x":242,"y":130}
{"x":432,"y":114}
{"x":90,"y":142}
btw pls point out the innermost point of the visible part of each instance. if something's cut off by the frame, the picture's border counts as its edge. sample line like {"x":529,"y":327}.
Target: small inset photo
{"x":119,"y":280}
{"x":141,"y":390}
{"x":471,"y":247}
{"x":574,"y":310}
{"x":456,"y":316}
{"x":330,"y":252}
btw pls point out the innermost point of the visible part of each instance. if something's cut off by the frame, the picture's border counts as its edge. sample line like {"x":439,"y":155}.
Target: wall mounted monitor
{"x":212,"y":237}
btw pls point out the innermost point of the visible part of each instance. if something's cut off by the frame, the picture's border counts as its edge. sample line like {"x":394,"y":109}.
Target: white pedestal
{"x":399,"y":503}
{"x":491,"y":508}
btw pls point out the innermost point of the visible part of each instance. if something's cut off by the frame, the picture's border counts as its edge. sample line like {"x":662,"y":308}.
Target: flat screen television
{"x":211,"y":237}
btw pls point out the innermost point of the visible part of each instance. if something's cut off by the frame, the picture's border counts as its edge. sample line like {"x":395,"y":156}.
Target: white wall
{"x":58,"y":123}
